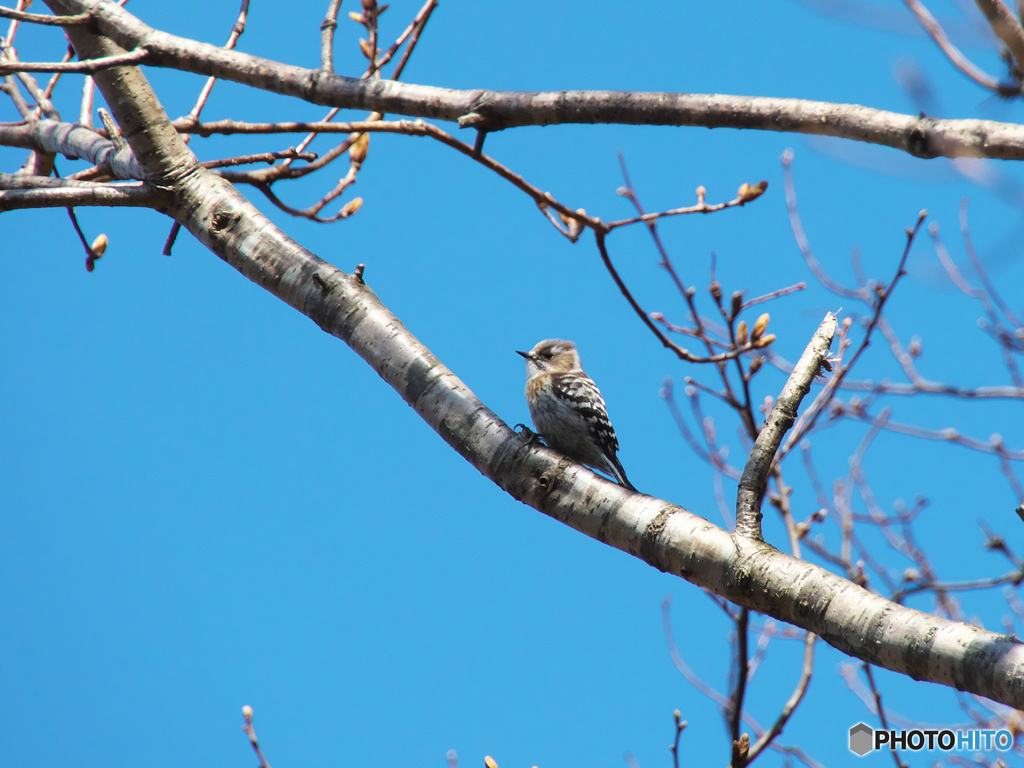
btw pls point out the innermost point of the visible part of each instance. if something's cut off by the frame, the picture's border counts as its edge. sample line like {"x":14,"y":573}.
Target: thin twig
{"x":251,"y":733}
{"x":74,"y":20}
{"x":801,"y":237}
{"x":742,"y":670}
{"x":89,"y":65}
{"x":807,"y":421}
{"x":965,"y":230}
{"x":773,"y":295}
{"x":795,"y":698}
{"x":961,"y":62}
{"x":881,"y":710}
{"x":236,"y":32}
{"x":1005,"y":25}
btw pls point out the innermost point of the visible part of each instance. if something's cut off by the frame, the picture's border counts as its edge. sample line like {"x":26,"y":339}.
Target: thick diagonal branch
{"x":780,"y":419}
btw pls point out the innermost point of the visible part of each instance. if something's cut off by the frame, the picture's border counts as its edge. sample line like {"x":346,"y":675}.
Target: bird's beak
{"x":527,"y":355}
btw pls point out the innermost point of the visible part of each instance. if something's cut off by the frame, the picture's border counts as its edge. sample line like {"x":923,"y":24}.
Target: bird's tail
{"x":620,"y":473}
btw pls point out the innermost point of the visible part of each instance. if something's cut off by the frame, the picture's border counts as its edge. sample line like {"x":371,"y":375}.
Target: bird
{"x":567,"y":408}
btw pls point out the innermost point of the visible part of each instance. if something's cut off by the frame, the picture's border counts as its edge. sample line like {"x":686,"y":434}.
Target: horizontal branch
{"x":496,"y":110}
{"x":73,"y":141}
{"x":19,"y":192}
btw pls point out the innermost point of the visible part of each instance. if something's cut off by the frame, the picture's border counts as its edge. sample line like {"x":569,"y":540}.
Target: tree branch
{"x":496,"y":110}
{"x":19,"y":192}
{"x":783,"y":414}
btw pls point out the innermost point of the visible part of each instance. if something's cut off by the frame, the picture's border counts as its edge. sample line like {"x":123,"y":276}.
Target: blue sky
{"x":207,"y":502}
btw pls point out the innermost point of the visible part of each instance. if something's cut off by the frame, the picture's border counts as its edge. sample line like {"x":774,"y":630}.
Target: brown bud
{"x":490,"y":762}
{"x":764,"y":341}
{"x":657,"y":316}
{"x":701,"y":194}
{"x":716,"y":290}
{"x":755,"y":364}
{"x":357,"y":152}
{"x":747,"y":193}
{"x":358,"y":18}
{"x":364,"y":46}
{"x":737,"y":303}
{"x":759,"y":327}
{"x":351,"y":207}
{"x":99,"y":246}
{"x":741,"y":333}
{"x":247,"y":713}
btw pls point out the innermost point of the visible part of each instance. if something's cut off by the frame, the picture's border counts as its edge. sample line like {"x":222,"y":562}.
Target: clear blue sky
{"x":207,"y":502}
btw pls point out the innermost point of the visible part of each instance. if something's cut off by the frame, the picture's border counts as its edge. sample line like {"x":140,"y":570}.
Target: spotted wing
{"x":583,"y":396}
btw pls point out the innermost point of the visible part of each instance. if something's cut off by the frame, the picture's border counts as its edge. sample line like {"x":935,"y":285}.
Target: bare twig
{"x":45,"y":19}
{"x":236,"y":32}
{"x":961,"y":62}
{"x":251,"y":733}
{"x":89,"y":65}
{"x":807,"y":421}
{"x":881,"y":710}
{"x":773,"y":295}
{"x":680,"y":352}
{"x":735,"y":710}
{"x":980,"y":270}
{"x":1005,"y":25}
{"x":792,"y":703}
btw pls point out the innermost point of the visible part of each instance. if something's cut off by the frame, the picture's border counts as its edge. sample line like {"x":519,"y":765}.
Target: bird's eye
{"x":546,"y":354}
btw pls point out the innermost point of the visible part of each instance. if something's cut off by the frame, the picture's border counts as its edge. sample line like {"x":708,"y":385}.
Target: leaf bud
{"x":747,"y":192}
{"x":351,"y":207}
{"x":759,"y":327}
{"x":741,"y":333}
{"x":99,"y":246}
{"x":357,"y":152}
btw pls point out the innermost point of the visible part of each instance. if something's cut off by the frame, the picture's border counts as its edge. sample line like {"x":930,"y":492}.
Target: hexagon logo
{"x":861,"y":739}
